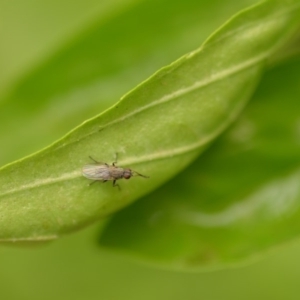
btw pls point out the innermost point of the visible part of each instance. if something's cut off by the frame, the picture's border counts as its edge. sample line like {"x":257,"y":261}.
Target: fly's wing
{"x":96,"y":172}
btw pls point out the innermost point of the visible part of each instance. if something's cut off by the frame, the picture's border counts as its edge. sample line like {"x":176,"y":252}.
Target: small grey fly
{"x":100,"y":171}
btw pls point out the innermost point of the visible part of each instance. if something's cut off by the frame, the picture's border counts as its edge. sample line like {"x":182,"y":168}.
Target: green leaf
{"x":240,"y":198}
{"x":158,"y":128}
{"x":93,"y":68}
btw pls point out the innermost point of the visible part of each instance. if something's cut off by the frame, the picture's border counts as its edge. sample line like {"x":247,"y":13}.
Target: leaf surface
{"x":158,"y":129}
{"x":239,"y":198}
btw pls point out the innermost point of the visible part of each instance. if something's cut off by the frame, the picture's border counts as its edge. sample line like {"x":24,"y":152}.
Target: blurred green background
{"x":75,"y":267}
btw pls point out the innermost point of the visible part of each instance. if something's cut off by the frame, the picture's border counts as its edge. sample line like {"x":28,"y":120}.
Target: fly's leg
{"x":97,"y":162}
{"x":94,"y":160}
{"x":115,"y":184}
{"x":116,"y":159}
{"x":92,"y":182}
{"x":96,"y":181}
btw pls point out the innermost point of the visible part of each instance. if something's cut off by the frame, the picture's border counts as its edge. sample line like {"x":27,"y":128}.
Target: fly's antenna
{"x":138,"y":174}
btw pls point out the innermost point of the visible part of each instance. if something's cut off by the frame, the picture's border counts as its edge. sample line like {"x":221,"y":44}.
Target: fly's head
{"x":127,"y":173}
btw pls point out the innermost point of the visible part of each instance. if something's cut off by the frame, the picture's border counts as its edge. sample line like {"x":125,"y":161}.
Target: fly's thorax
{"x":118,"y":173}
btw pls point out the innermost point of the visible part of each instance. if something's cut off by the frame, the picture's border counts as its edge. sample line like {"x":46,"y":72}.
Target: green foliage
{"x":227,"y":205}
{"x":239,"y":198}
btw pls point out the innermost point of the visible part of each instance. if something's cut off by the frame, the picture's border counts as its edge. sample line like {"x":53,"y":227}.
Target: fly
{"x":100,"y":171}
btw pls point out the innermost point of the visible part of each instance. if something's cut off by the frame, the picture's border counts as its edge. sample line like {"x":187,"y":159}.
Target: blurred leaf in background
{"x":239,"y":198}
